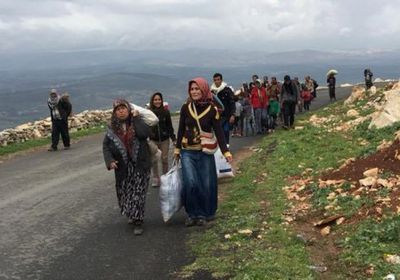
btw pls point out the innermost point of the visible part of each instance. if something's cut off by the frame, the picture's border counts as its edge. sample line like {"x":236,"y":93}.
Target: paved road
{"x":59,"y":219}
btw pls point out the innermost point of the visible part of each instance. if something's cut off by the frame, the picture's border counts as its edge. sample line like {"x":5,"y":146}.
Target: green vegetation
{"x":251,"y":238}
{"x":34,"y":143}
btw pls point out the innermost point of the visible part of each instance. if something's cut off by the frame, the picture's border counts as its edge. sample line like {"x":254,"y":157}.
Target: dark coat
{"x":64,"y":107}
{"x":286,"y":96}
{"x":226,"y":97}
{"x":114,"y":150}
{"x":164,"y":129}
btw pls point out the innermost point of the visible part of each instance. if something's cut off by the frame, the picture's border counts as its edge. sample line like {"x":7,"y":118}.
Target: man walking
{"x":225,"y":94}
{"x":60,"y":110}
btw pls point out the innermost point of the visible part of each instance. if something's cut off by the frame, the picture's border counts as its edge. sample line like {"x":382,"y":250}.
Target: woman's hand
{"x":135,"y":113}
{"x":229,"y":158}
{"x":114,"y":165}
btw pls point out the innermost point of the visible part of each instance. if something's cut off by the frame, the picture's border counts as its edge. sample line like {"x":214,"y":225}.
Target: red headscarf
{"x":205,"y":90}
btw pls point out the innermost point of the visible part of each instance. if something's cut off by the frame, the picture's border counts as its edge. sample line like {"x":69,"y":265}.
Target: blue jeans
{"x":200,"y":188}
{"x":258,"y":113}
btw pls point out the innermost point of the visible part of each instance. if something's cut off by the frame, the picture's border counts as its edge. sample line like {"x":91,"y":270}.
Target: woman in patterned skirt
{"x":126,"y":151}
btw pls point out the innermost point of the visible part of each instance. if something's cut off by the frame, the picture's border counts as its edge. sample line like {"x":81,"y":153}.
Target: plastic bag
{"x":170,"y":191}
{"x":147,"y":115}
{"x":224,"y":168}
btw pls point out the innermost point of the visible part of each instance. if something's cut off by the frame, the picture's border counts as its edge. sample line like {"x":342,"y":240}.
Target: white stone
{"x":390,"y":112}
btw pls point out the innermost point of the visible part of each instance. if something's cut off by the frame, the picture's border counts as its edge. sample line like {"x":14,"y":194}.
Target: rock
{"x":378,"y":80}
{"x":245,"y":231}
{"x":368,"y":182}
{"x":326,"y":231}
{"x":357,"y":93}
{"x":370,"y":270}
{"x":373,"y":90}
{"x":373,"y":172}
{"x":340,"y":220}
{"x":390,"y":112}
{"x":352,"y":113}
{"x":318,"y":268}
{"x":390,"y":276}
{"x":393,"y":259}
{"x":328,"y":220}
{"x":37,"y":134}
{"x":384,"y":183}
{"x":384,"y":145}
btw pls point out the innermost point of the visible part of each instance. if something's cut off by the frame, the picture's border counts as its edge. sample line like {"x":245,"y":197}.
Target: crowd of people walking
{"x":208,"y":118}
{"x":134,"y":147}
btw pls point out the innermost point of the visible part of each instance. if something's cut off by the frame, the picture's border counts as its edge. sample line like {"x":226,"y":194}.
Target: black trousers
{"x":289,"y":109}
{"x":307,"y":105}
{"x":332,"y":94}
{"x":59,"y":127}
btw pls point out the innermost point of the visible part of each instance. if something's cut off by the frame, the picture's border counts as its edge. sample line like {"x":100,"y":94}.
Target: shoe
{"x":156,"y":182}
{"x":67,"y":148}
{"x":52,"y":150}
{"x":211,"y":218}
{"x":201,"y":222}
{"x":190,"y":222}
{"x":138,"y":230}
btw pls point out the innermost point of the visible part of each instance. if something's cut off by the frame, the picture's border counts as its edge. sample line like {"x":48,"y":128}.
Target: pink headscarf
{"x":205,"y":89}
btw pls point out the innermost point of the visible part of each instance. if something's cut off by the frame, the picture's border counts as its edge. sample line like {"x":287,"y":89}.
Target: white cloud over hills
{"x":269,"y":25}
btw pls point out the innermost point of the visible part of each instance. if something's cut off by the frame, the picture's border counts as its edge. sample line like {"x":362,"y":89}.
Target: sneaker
{"x":201,"y":222}
{"x":52,"y":150}
{"x":190,"y":222}
{"x":67,"y":148}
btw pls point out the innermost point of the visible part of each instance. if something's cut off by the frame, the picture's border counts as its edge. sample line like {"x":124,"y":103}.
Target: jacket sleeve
{"x":232,"y":107}
{"x":68,"y":108}
{"x":170,"y":127}
{"x":108,"y":157}
{"x":181,"y":129}
{"x":217,"y":126}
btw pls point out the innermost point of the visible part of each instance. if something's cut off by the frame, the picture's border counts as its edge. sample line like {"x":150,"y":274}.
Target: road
{"x":59,"y":219}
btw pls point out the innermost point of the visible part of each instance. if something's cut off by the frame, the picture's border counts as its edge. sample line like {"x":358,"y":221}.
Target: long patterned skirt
{"x":131,"y":193}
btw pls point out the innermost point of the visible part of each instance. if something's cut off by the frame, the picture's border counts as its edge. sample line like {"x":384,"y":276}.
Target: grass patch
{"x":369,"y":244}
{"x":34,"y":143}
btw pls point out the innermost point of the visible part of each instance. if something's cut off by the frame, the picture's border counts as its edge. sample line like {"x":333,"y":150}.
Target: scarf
{"x":216,"y":90}
{"x":207,"y":96}
{"x":53,"y":102}
{"x":124,"y":130}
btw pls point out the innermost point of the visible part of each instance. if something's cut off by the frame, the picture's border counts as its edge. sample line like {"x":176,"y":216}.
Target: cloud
{"x":142,"y":24}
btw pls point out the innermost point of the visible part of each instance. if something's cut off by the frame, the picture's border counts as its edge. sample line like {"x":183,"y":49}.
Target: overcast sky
{"x":271,"y":25}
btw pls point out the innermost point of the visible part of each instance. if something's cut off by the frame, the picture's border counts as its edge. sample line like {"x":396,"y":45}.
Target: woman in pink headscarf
{"x":200,"y":189}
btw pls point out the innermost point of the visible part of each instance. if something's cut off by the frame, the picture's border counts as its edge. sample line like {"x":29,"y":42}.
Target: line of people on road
{"x":206,"y":121}
{"x":261,"y":103}
{"x":132,"y":146}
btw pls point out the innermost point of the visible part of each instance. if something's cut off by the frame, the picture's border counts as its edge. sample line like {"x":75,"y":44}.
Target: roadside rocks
{"x":357,"y":93}
{"x":42,"y":128}
{"x":389,"y":113}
